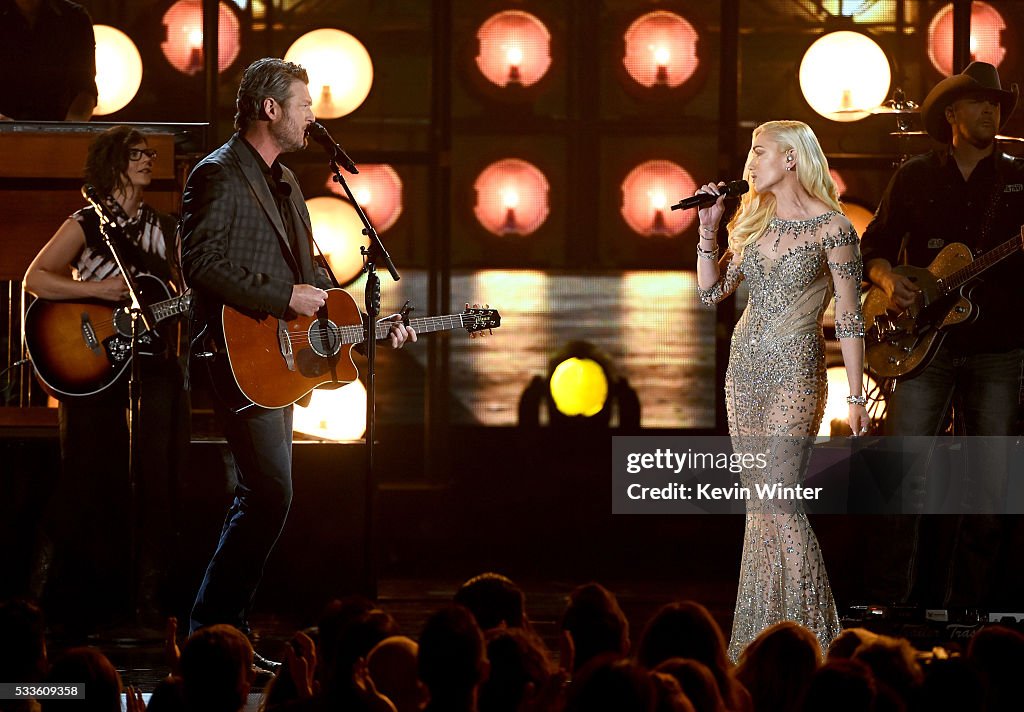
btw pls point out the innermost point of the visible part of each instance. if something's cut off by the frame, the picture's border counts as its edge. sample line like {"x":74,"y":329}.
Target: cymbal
{"x":1004,"y":139}
{"x":883,"y":109}
{"x":892,"y":111}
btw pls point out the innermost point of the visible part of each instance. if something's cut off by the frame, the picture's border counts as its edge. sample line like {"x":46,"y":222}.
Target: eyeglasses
{"x":135,"y":154}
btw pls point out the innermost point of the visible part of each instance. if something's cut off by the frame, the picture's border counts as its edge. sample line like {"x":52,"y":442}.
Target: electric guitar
{"x":275,"y":362}
{"x":901,"y":344}
{"x":82,"y":348}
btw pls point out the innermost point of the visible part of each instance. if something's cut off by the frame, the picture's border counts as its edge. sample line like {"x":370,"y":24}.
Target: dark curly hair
{"x":267,"y":78}
{"x":107,"y":161}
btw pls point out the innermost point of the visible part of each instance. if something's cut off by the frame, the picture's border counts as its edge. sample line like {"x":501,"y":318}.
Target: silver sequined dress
{"x":775,"y":394}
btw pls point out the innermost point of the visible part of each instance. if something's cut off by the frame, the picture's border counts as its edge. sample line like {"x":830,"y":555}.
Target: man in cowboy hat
{"x":966,"y":191}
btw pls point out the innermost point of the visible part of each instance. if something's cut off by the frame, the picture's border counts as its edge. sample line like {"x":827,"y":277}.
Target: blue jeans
{"x":261,"y":442}
{"x":984,"y":390}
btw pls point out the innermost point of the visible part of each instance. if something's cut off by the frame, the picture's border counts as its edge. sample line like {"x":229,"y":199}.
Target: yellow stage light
{"x":579,"y":386}
{"x":338,"y":230}
{"x":515,"y":48}
{"x":339,"y":67}
{"x":646,"y":193}
{"x":844,"y":75}
{"x":118,"y":70}
{"x":836,"y":407}
{"x":338,"y":414}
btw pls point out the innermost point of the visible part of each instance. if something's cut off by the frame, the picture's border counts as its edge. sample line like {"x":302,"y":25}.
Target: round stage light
{"x":335,"y":414}
{"x":183,"y":46}
{"x":378,"y":190}
{"x":987,"y":29}
{"x":579,"y":386}
{"x":338,"y":230}
{"x":339,"y":67}
{"x":511,"y":197}
{"x":647,"y":192}
{"x":118,"y":70}
{"x":661,"y":49}
{"x":515,"y":48}
{"x":844,"y":75}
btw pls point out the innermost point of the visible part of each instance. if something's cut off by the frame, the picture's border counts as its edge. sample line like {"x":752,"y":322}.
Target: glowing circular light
{"x":511,"y":197}
{"x":836,"y":407}
{"x":844,"y":75}
{"x":339,"y":67}
{"x":646,"y":193}
{"x":338,"y":230}
{"x":118,"y":70}
{"x":183,"y":46}
{"x":661,"y":49}
{"x":515,"y":48}
{"x":987,"y":28}
{"x":336,"y":414}
{"x":378,"y":190}
{"x":579,"y":386}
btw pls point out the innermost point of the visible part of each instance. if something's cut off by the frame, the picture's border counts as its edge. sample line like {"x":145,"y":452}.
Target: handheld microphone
{"x":733,"y":189}
{"x":318,"y":133}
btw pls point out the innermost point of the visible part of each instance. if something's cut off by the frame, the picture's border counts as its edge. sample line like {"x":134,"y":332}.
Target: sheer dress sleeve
{"x":847,"y":267}
{"x":725,"y":285}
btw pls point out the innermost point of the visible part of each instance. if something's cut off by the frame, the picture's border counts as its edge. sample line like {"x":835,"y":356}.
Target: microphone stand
{"x":140,"y":316}
{"x":373,"y":254}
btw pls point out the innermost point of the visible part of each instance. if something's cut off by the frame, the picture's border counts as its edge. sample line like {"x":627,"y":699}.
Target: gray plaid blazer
{"x":234,"y":247}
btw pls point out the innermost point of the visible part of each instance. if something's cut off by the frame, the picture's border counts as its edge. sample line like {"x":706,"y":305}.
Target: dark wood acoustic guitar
{"x":275,"y":362}
{"x":901,"y":344}
{"x":81,"y":349}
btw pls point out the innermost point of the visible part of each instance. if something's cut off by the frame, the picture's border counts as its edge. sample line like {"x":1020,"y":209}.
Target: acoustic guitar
{"x":81,"y":349}
{"x":901,"y":344}
{"x":275,"y":362}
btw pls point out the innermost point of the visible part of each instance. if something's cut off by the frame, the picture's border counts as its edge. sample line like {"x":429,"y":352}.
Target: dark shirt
{"x":281,"y":191}
{"x":45,"y":66}
{"x":929,"y":201}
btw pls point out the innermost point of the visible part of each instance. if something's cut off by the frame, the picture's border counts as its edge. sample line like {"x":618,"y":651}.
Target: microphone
{"x":318,"y":133}
{"x":701,"y":200}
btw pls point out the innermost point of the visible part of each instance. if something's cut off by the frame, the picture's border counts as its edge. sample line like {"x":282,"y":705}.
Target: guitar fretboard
{"x":354,"y":334}
{"x":997,"y":254}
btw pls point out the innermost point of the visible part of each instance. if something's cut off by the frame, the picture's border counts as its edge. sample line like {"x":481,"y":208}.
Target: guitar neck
{"x":170,"y":307}
{"x":423,"y":325}
{"x":995,"y":255}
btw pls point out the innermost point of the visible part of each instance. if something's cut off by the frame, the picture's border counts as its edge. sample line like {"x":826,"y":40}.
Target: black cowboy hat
{"x":978,"y":77}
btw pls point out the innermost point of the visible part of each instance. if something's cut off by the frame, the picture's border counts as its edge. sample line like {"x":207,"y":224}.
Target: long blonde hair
{"x":757,"y":209}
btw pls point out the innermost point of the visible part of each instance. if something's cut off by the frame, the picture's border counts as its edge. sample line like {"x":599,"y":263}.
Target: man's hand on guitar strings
{"x":400,"y":333}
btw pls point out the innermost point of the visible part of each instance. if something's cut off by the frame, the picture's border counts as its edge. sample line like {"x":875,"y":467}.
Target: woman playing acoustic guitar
{"x":77,"y":266}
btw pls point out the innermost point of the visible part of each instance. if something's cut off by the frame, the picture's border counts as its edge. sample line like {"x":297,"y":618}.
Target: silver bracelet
{"x":707,"y":231}
{"x":857,"y":400}
{"x":708,"y":254}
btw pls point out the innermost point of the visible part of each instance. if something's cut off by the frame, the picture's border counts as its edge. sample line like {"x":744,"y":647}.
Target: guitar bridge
{"x":89,"y":335}
{"x":284,"y":342}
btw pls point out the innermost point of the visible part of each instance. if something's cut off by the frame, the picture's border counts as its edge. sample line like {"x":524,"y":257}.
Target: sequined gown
{"x":775,"y":394}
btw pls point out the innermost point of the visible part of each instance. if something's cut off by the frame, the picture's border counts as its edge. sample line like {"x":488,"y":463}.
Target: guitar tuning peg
{"x":487,"y":306}
{"x":467,"y":305}
{"x":476,"y":306}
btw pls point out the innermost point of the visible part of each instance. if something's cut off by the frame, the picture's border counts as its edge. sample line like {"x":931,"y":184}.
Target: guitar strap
{"x":322,"y":259}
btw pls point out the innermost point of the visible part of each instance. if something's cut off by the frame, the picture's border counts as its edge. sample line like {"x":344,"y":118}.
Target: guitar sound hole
{"x":324,"y":337}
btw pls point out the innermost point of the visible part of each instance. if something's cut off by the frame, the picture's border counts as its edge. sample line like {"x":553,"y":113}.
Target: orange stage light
{"x":378,"y":190}
{"x":183,"y":46}
{"x":511,"y":197}
{"x":987,"y":28}
{"x":515,"y":48}
{"x":661,"y":50}
{"x":648,"y":191}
